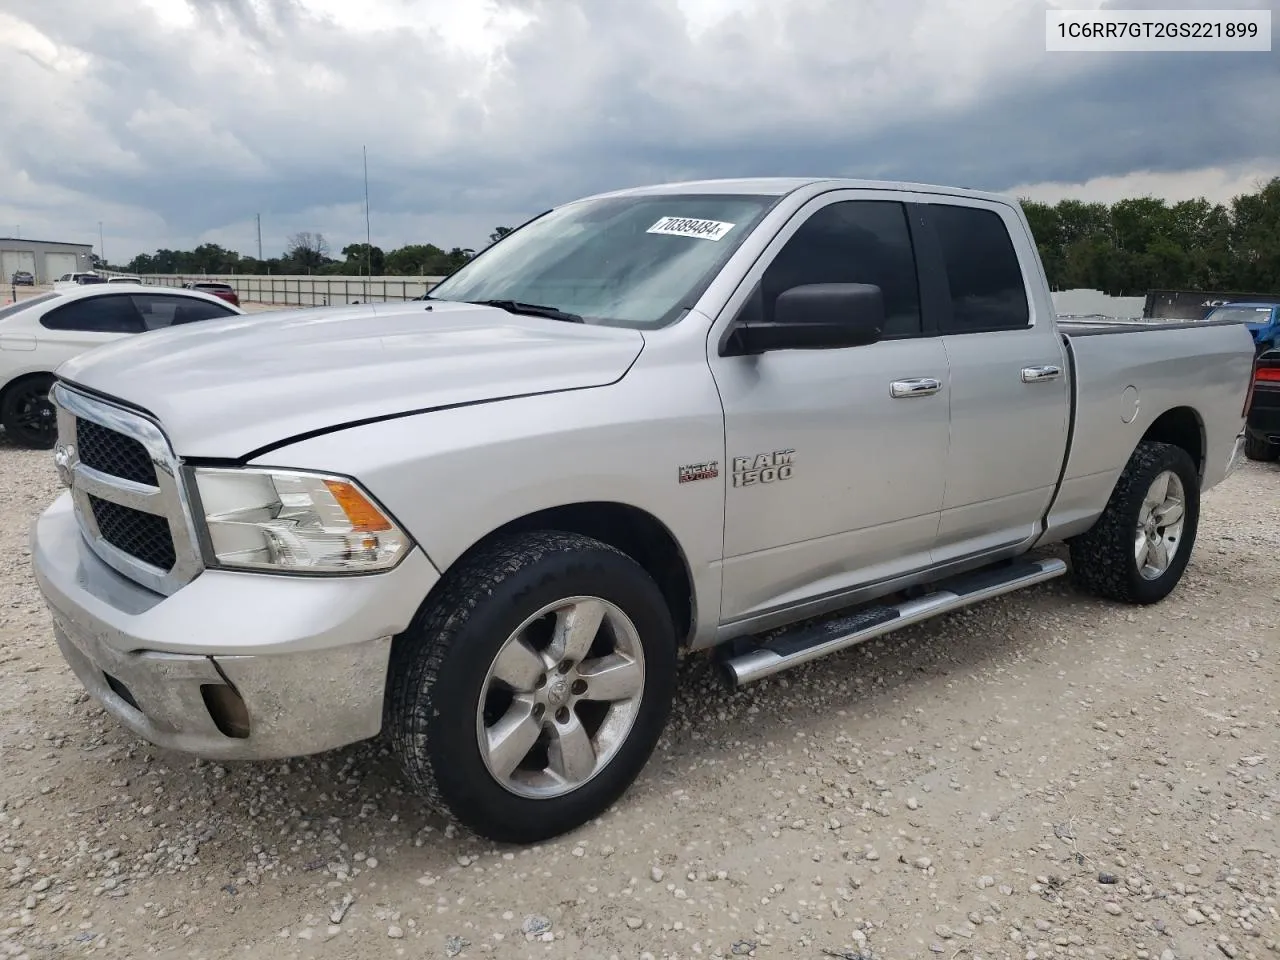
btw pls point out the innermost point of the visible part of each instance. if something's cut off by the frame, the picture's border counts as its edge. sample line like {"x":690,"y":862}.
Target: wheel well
{"x":4,"y":391}
{"x":639,"y":534}
{"x":1183,"y":428}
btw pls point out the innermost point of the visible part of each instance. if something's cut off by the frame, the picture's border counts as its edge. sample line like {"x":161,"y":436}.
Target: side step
{"x":809,"y":641}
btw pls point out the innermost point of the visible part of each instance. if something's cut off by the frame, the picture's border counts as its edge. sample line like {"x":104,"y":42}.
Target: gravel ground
{"x":1043,"y":776}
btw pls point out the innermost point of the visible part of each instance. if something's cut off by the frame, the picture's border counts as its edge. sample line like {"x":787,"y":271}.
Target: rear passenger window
{"x":987,"y":291}
{"x":159,"y":310}
{"x":853,"y":241}
{"x":113,"y":314}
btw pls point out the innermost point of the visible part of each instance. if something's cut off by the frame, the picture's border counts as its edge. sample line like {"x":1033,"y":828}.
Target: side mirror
{"x":815,"y":316}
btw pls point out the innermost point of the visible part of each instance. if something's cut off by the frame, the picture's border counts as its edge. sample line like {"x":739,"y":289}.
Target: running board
{"x":793,"y":646}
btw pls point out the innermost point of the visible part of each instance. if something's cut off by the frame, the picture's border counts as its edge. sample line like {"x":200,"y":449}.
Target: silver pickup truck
{"x":774,"y":417}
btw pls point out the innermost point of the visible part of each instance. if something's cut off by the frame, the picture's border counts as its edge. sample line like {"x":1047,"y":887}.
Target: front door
{"x":836,"y":456}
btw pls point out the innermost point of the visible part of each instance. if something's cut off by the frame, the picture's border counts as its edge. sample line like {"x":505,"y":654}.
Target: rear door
{"x":1010,"y":385}
{"x":836,"y":457}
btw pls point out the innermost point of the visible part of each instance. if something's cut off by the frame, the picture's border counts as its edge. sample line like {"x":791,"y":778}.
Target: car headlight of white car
{"x":294,"y":521}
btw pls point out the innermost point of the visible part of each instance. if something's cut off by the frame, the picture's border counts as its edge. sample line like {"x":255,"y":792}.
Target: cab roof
{"x":781,"y":186}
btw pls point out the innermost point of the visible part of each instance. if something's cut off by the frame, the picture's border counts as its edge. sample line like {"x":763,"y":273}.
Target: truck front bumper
{"x":233,"y":666}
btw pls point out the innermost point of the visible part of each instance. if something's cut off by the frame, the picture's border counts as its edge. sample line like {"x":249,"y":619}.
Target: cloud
{"x":176,"y":121}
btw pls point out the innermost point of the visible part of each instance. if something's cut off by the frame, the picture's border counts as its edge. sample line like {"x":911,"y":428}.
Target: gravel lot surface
{"x":1043,"y":776}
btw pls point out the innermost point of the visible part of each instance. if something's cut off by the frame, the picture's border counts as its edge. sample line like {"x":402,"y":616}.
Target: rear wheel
{"x":1139,"y":548}
{"x":528,"y":695}
{"x":28,"y":414}
{"x":1258,"y":447}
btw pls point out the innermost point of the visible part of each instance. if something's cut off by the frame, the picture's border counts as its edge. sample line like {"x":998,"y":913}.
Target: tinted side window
{"x":114,"y":314}
{"x":188,"y":310}
{"x":987,"y":291}
{"x":853,"y":241}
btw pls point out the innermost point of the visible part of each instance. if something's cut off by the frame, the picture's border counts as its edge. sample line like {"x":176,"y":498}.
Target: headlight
{"x":288,"y":520}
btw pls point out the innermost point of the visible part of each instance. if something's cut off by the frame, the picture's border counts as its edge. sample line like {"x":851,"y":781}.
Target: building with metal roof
{"x":46,"y":260}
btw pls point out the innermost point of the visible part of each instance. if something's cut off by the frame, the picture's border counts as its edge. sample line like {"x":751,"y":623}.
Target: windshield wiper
{"x":531,"y":309}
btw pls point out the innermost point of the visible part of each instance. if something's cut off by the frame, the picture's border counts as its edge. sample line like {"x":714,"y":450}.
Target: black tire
{"x":1258,"y":447}
{"x":28,"y":414}
{"x":1104,"y":561}
{"x":440,"y":664}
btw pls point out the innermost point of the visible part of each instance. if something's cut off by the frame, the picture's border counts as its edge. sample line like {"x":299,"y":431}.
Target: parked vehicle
{"x":39,"y":333}
{"x":774,"y":417}
{"x":124,"y":278}
{"x":223,"y":291}
{"x":1261,"y":319}
{"x":1197,"y":304}
{"x":1262,"y":427}
{"x":69,"y":281}
{"x":23,"y":278}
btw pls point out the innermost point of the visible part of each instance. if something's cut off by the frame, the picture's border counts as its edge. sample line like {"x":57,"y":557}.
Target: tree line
{"x":1123,"y":249}
{"x":308,"y":252}
{"x":1137,"y":245}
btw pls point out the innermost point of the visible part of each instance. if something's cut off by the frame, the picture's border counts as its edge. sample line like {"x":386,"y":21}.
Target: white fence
{"x":312,"y":291}
{"x":304,"y":290}
{"x":1082,"y":303}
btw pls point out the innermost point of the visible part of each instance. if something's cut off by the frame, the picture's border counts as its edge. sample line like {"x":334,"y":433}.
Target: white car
{"x":124,"y":279}
{"x":70,"y":281}
{"x":39,"y":333}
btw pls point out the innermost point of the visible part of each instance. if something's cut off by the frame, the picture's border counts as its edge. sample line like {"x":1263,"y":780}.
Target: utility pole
{"x":368,"y":235}
{"x":102,"y":252}
{"x":258,"y":217}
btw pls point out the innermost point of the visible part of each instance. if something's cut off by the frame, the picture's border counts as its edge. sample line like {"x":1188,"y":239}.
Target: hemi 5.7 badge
{"x":762,"y":468}
{"x":700,"y":471}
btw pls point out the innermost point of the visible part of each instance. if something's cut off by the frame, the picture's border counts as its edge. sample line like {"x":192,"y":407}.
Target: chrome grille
{"x":141,"y":535}
{"x":127,"y":487}
{"x":113,"y":453}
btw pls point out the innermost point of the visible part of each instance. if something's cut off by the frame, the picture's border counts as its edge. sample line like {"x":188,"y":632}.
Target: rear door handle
{"x":917,"y":387}
{"x":1036,"y":374}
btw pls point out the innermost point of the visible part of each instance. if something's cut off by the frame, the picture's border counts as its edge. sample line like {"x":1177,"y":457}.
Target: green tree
{"x":360,"y":258}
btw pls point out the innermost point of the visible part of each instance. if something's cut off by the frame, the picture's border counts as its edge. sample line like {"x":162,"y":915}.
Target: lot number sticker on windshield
{"x":689,"y":227}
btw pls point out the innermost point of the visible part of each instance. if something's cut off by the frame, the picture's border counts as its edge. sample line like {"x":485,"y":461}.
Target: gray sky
{"x":175,"y":121}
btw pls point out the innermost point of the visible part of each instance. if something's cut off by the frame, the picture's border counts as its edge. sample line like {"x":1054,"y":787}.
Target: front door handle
{"x":917,"y":387}
{"x":1037,"y":374}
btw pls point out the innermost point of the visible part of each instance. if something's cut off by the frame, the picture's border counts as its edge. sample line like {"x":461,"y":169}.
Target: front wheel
{"x":528,"y":695}
{"x":1139,"y":548}
{"x":28,"y":415}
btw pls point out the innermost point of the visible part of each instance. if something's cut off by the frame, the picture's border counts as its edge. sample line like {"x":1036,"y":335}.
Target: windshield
{"x":1242,"y":314}
{"x":634,"y":261}
{"x":21,"y":305}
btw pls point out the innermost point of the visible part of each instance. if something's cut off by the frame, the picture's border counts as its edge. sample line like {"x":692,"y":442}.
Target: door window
{"x":112,"y":314}
{"x":987,"y":289}
{"x":851,"y":241}
{"x":159,"y":310}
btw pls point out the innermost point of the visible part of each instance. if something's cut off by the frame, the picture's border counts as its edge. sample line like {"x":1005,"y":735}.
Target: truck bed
{"x":1125,"y":374}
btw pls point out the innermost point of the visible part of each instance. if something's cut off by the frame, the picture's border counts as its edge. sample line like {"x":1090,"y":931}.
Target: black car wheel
{"x":28,"y":414}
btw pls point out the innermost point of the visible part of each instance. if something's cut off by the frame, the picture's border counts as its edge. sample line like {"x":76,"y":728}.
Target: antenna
{"x":258,"y":217}
{"x":368,"y":236}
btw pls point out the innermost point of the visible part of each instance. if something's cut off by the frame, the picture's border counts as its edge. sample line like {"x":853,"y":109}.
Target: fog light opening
{"x":121,"y":691}
{"x":227,"y":709}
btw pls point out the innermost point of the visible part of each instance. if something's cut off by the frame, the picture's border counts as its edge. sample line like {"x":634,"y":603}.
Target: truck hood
{"x":228,"y":387}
